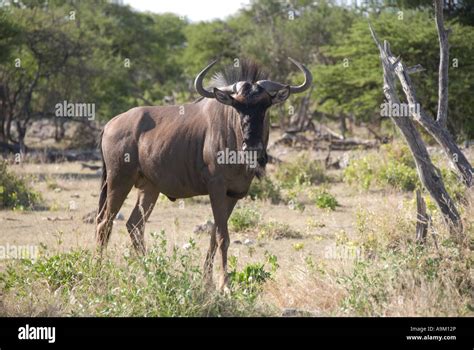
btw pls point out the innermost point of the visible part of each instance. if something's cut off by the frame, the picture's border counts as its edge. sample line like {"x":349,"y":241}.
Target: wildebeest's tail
{"x":103,"y":185}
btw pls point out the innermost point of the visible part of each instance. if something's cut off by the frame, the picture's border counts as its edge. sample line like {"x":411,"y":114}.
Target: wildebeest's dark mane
{"x":248,"y":70}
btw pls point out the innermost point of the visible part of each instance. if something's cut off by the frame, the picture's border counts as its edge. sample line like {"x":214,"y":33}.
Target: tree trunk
{"x":421,"y":219}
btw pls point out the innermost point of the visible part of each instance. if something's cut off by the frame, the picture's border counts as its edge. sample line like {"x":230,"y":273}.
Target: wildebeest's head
{"x":248,"y":91}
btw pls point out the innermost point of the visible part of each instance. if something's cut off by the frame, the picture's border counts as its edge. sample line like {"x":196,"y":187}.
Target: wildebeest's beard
{"x":253,"y":143}
{"x":259,"y":170}
{"x":256,"y":166}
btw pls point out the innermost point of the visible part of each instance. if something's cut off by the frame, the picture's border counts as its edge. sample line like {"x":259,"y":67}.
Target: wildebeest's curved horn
{"x":230,"y":89}
{"x":203,"y":92}
{"x":272,"y":87}
{"x":308,"y":78}
{"x":198,"y":82}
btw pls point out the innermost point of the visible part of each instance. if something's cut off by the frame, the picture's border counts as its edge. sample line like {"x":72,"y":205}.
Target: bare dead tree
{"x":429,"y":175}
{"x":437,"y":127}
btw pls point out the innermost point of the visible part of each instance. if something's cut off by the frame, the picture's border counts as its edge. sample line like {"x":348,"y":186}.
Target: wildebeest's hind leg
{"x":222,"y":207}
{"x":147,"y":196}
{"x":117,"y":191}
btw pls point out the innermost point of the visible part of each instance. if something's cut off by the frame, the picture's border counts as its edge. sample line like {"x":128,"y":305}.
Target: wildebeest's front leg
{"x":222,"y":207}
{"x":208,"y":264}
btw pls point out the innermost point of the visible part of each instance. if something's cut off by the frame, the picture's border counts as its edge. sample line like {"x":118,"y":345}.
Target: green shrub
{"x":265,"y":189}
{"x":302,"y":171}
{"x":244,"y":218}
{"x":361,"y":171}
{"x":250,"y":279}
{"x":392,"y":167}
{"x":399,"y":153}
{"x":277,"y":230}
{"x":14,"y":191}
{"x":298,"y":246}
{"x":399,"y":176}
{"x":325,"y":200}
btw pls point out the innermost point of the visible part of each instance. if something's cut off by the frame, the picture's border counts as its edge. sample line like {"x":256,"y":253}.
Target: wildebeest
{"x":172,"y":150}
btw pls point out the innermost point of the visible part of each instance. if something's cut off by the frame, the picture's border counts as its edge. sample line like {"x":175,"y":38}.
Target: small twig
{"x":415,"y":69}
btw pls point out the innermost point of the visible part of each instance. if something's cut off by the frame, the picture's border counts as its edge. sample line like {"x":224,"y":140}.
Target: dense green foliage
{"x":351,"y":82}
{"x":98,"y":52}
{"x":299,"y":172}
{"x":15,"y":192}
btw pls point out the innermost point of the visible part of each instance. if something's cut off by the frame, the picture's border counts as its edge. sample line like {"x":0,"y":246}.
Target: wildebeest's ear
{"x":223,"y":97}
{"x":281,"y":95}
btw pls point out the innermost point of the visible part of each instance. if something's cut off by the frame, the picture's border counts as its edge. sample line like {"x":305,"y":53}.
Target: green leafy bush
{"x":325,"y":200}
{"x":244,"y":218}
{"x":302,"y":171}
{"x":292,"y":198}
{"x":361,"y":171}
{"x":453,"y":184}
{"x":265,"y":189}
{"x":276,"y":230}
{"x":250,"y":279}
{"x":394,"y":275}
{"x":15,"y":192}
{"x":399,"y":176}
{"x":392,"y":167}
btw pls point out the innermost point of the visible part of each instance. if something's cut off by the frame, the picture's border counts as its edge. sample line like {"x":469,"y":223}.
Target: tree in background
{"x":350,"y":85}
{"x":109,"y":55}
{"x":87,"y":52}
